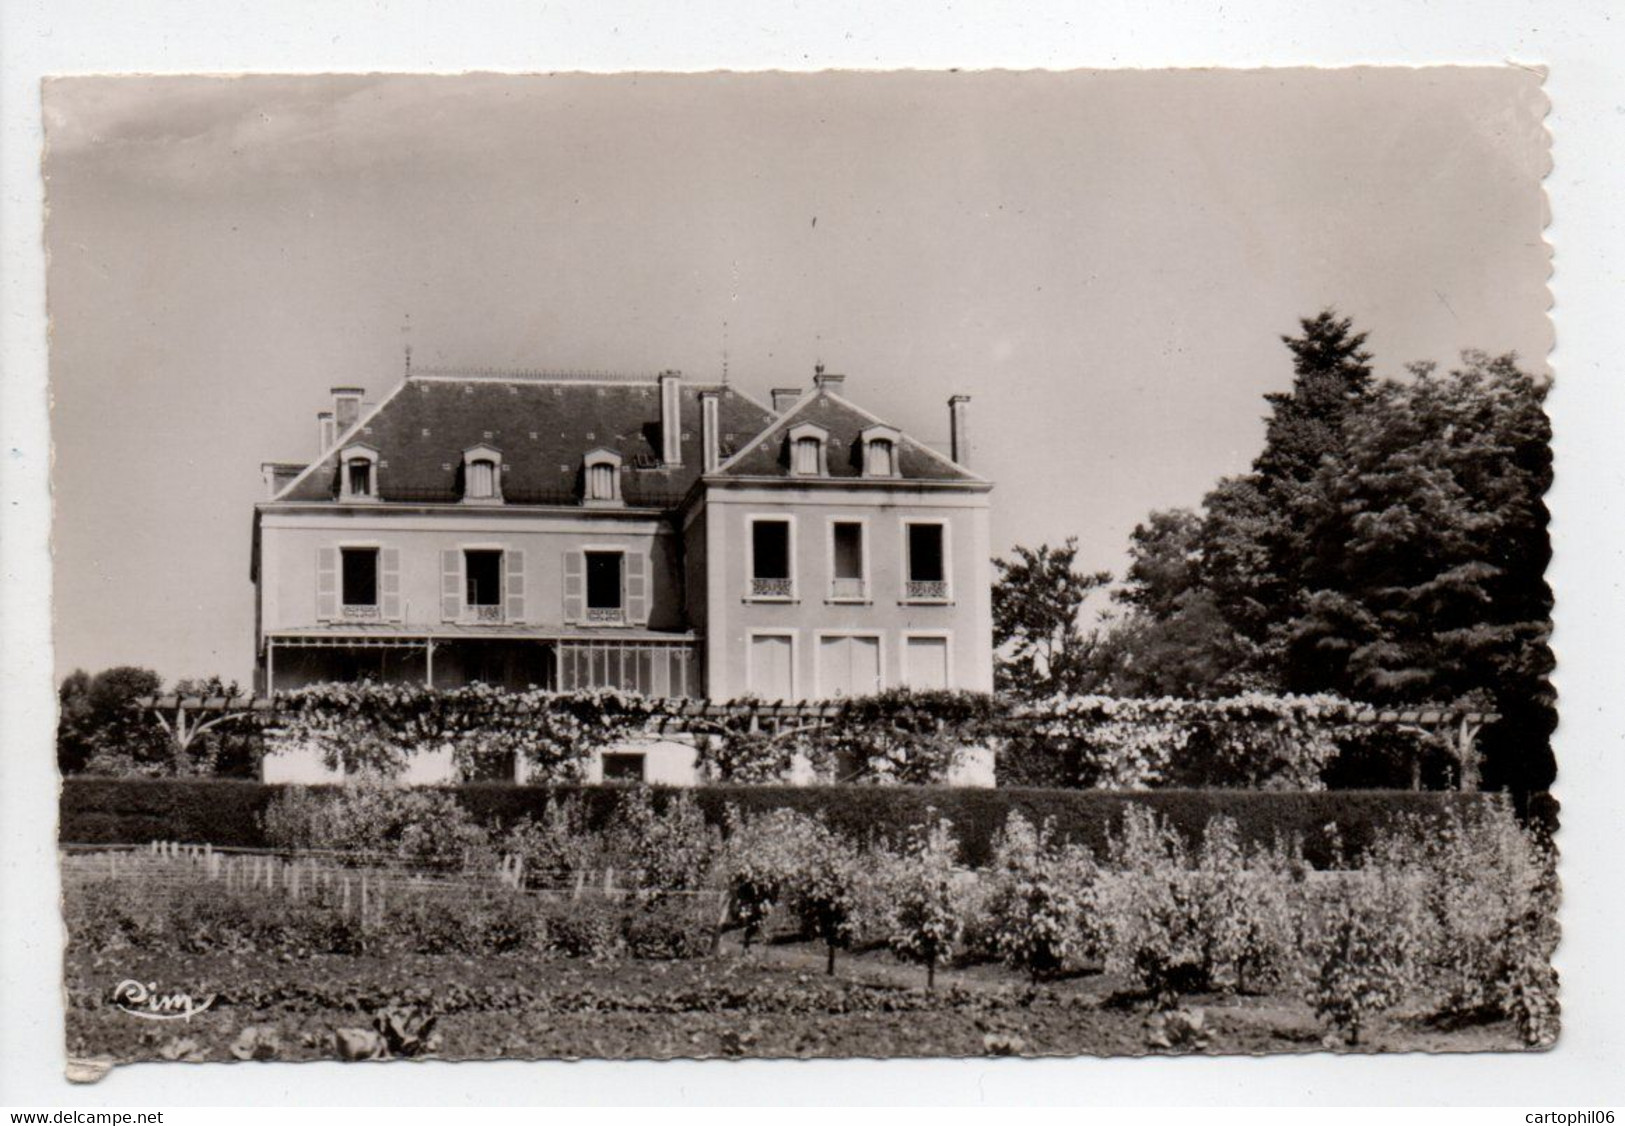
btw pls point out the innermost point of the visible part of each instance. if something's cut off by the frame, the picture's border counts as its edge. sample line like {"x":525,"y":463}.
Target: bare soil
{"x":772,"y":1001}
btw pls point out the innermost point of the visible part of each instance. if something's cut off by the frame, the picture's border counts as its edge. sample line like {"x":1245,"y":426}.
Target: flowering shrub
{"x":1482,"y":896}
{"x":760,"y":859}
{"x":673,"y":849}
{"x":927,"y":897}
{"x":904,"y":735}
{"x":1360,"y":950}
{"x":1038,"y":898}
{"x":732,"y":752}
{"x":1254,"y":740}
{"x":898,"y":735}
{"x":1178,"y":923}
{"x":371,"y":728}
{"x":375,"y":821}
{"x":555,"y":849}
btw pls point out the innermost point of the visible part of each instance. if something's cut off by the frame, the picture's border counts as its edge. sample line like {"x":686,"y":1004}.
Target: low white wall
{"x":668,"y":761}
{"x":297,"y":764}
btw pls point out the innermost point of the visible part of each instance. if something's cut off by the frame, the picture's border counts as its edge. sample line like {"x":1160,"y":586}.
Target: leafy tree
{"x":1427,"y":547}
{"x":1389,"y":545}
{"x":101,"y":729}
{"x":1037,"y":599}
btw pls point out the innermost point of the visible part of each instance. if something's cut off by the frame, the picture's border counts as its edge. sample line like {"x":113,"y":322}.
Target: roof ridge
{"x":530,"y":375}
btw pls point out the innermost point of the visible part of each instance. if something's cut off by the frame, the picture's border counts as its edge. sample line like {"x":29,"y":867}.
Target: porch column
{"x":428,"y":663}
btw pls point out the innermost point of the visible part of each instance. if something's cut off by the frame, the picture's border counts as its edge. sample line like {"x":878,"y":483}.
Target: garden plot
{"x":664,"y":936}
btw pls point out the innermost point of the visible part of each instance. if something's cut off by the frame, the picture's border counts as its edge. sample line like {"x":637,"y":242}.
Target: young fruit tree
{"x":1039,"y":897}
{"x":824,"y":892}
{"x":928,"y":899}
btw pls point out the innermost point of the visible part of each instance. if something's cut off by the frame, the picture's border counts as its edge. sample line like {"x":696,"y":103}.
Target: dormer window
{"x":482,"y":475}
{"x":879,"y":452}
{"x":358,"y":473}
{"x":807,"y":450}
{"x":601,"y":471}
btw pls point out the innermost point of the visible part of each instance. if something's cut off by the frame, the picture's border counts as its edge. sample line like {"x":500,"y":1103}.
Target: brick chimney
{"x":346,"y":407}
{"x":671,"y":418}
{"x":958,"y":436}
{"x":710,"y":427}
{"x":324,"y":431}
{"x":784,"y":398}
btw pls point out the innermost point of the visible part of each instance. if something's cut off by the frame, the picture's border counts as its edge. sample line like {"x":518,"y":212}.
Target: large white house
{"x":658,"y":535}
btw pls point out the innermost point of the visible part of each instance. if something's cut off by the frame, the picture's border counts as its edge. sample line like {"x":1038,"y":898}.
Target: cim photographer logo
{"x":144,"y":1000}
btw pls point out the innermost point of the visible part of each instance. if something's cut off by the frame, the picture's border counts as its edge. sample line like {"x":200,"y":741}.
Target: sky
{"x":1105,"y":261}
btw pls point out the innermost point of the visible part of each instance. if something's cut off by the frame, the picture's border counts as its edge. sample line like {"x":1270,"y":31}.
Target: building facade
{"x":653,"y":535}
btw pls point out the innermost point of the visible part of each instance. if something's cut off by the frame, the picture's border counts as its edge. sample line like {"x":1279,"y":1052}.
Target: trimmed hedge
{"x":227,"y":813}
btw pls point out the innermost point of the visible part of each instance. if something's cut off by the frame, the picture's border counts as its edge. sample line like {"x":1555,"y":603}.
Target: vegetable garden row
{"x":1456,"y":915}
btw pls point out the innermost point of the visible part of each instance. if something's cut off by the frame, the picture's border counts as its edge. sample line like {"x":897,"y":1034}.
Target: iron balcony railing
{"x":772,"y":588}
{"x":917,"y":590}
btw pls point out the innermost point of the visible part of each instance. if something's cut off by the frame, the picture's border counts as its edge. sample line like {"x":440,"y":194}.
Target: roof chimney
{"x":346,"y":407}
{"x":826,"y":381}
{"x":324,"y":431}
{"x":276,"y":475}
{"x":958,"y":437}
{"x":784,"y":398}
{"x":710,"y":438}
{"x":671,"y":418}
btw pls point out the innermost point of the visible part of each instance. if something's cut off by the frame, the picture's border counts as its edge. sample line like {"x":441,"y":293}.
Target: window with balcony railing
{"x":770,"y":573}
{"x":849,"y":576}
{"x":482,"y":595}
{"x":927,"y":576}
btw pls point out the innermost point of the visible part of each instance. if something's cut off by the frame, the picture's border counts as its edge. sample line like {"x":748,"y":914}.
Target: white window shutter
{"x":451,"y":584}
{"x":637,"y":588}
{"x":389,"y":583}
{"x":513,"y":586}
{"x":575,"y":586}
{"x":327,"y":583}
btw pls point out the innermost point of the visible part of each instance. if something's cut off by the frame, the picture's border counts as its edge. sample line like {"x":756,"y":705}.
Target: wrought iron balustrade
{"x":772,"y":588}
{"x":917,"y":590}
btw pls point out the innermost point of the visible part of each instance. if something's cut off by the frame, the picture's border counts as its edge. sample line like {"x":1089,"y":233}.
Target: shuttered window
{"x":360,"y":477}
{"x":807,"y":456}
{"x":881,"y":458}
{"x":482,"y":476}
{"x":601,"y":482}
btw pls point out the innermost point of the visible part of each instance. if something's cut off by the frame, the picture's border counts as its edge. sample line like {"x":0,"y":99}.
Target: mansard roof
{"x":543,"y":426}
{"x":768,"y":453}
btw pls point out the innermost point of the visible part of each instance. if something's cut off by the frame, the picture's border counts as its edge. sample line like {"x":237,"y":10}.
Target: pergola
{"x":187,"y":717}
